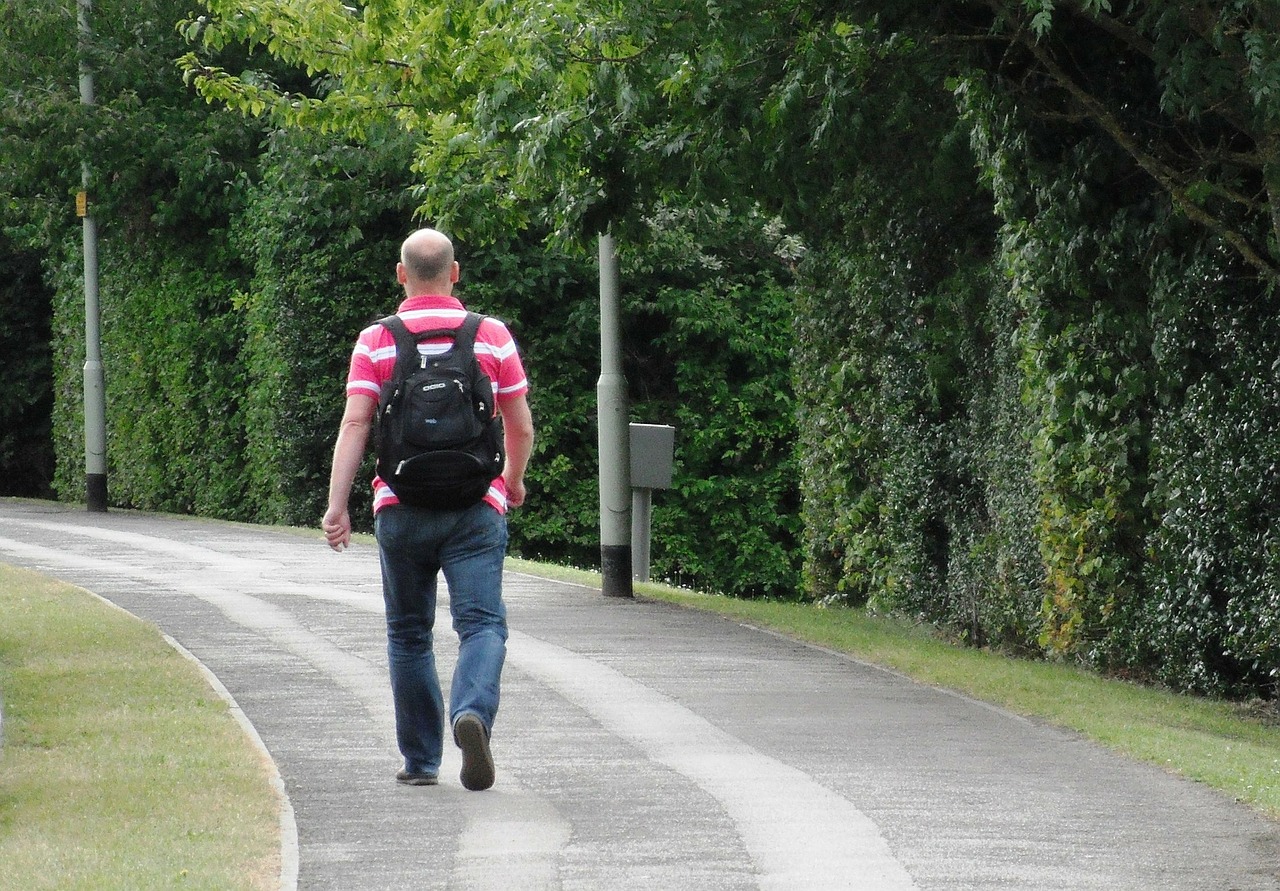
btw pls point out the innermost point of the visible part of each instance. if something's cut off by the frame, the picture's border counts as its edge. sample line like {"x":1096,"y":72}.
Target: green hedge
{"x":1212,"y":620}
{"x":705,"y":340}
{"x":1055,"y":434}
{"x":169,"y":343}
{"x":322,"y":231}
{"x":226,"y":357}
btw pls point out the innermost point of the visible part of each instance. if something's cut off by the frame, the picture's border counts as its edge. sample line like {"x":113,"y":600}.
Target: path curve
{"x":639,"y":745}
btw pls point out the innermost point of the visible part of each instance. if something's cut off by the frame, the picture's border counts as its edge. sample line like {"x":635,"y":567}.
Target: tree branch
{"x":1202,"y":21}
{"x":1271,"y":178}
{"x":1165,"y":176}
{"x":1126,"y":34}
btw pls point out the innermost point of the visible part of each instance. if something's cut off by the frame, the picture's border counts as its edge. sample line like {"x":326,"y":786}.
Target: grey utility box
{"x":653,"y":449}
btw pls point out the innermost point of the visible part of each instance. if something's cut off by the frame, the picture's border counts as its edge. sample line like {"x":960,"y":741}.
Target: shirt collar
{"x":430,"y":301}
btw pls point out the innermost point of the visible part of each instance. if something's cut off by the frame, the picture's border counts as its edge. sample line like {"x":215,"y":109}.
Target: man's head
{"x":426,"y":264}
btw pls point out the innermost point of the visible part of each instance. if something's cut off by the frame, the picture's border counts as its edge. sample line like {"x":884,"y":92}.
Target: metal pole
{"x":641,"y":537}
{"x":95,"y":407}
{"x":615,"y":450}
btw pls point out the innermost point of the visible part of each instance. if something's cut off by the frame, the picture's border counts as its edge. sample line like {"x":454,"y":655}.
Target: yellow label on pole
{"x":82,"y":204}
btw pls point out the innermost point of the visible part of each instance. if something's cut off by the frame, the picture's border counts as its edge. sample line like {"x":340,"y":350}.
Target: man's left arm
{"x":517,"y":424}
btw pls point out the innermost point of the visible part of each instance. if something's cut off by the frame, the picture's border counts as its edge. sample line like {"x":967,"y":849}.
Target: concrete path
{"x":639,"y":745}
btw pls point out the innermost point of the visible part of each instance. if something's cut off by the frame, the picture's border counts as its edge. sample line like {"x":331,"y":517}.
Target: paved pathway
{"x":639,"y":745}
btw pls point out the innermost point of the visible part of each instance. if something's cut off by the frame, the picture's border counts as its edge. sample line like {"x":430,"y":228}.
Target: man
{"x":416,"y":543}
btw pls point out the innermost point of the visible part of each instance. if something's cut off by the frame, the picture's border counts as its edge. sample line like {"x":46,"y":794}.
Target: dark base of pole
{"x":615,"y":566}
{"x":96,"y":492}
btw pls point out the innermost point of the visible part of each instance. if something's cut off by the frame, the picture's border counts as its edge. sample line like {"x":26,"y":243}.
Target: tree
{"x":597,"y":104}
{"x":1189,"y":91}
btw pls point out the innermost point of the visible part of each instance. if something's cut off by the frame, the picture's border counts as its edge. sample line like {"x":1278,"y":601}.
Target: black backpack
{"x":440,"y":443}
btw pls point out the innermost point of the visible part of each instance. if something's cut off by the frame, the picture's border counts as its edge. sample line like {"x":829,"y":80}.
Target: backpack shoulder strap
{"x":466,"y":334}
{"x":406,"y":346}
{"x":407,"y":342}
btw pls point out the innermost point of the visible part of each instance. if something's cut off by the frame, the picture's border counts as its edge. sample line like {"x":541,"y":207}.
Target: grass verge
{"x":121,"y":768}
{"x":1223,"y":745}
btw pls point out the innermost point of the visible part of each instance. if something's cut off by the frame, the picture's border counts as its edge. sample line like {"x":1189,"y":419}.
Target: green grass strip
{"x":121,"y":768}
{"x":1226,"y":746}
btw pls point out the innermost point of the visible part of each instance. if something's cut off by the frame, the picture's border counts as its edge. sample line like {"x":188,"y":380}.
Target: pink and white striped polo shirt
{"x":374,"y":359}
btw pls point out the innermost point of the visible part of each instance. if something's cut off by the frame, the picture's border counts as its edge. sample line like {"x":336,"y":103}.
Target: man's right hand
{"x":337,"y":528}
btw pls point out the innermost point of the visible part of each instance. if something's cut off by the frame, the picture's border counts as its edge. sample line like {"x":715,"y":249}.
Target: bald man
{"x":416,"y":543}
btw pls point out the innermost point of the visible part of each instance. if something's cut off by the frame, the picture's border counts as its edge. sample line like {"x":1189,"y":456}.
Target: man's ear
{"x":402,"y":274}
{"x":455,"y":273}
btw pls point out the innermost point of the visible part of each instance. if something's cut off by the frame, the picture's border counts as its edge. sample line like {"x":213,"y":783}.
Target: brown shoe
{"x":477,"y":762}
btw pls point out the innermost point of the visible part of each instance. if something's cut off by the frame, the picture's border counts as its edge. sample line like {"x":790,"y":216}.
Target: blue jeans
{"x":414,"y":545}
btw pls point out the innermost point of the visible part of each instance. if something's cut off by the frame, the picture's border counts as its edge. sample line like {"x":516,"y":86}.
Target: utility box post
{"x":652,"y":456}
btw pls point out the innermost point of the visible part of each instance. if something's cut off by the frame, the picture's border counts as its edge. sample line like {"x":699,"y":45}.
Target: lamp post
{"x":615,"y":460}
{"x":95,"y":409}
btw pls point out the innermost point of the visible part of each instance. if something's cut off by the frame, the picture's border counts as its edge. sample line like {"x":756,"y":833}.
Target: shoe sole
{"x":477,"y":762}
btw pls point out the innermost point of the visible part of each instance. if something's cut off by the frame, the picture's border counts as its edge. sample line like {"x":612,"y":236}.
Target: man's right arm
{"x":348,"y":453}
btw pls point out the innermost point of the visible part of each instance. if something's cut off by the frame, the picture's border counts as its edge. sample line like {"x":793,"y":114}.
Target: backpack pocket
{"x":443,"y":479}
{"x":438,"y":414}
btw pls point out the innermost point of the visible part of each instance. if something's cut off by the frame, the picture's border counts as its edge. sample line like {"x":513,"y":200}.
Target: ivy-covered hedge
{"x":1055,"y":431}
{"x":322,"y":233}
{"x":1211,"y":617}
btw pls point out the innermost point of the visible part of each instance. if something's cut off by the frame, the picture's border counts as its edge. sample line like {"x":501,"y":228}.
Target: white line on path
{"x":799,"y":833}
